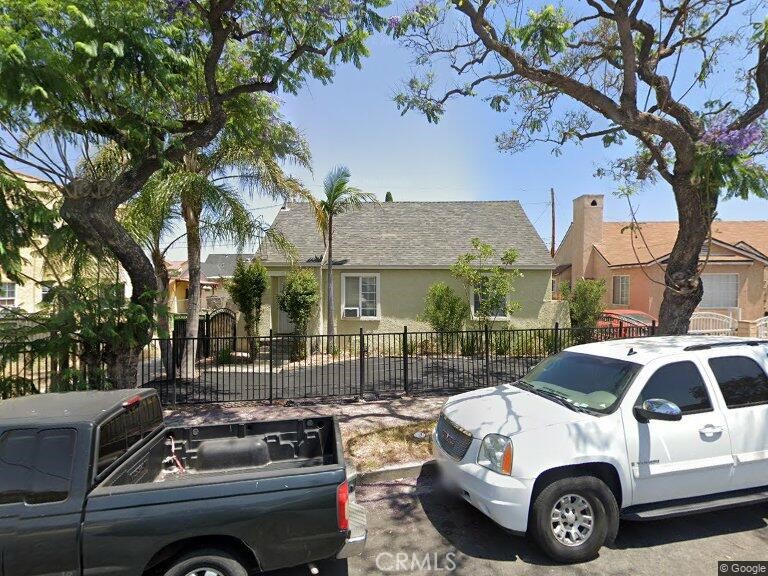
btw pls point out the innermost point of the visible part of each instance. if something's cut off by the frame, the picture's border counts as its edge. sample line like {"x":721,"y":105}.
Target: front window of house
{"x":7,"y":294}
{"x":497,"y":307}
{"x":361,"y":296}
{"x":720,"y":291}
{"x":621,"y":290}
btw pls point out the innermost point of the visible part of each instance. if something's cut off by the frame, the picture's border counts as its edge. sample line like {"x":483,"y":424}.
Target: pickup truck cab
{"x":94,"y":483}
{"x":639,"y":429}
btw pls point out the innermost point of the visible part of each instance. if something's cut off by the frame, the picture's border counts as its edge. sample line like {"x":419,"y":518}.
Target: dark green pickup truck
{"x":94,"y":483}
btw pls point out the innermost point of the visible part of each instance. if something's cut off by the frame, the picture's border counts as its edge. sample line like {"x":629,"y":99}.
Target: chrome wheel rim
{"x":572,"y":520}
{"x":205,"y":571}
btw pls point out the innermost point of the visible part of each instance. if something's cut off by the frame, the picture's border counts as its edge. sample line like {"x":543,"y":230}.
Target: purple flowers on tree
{"x":733,"y":142}
{"x":394,"y":22}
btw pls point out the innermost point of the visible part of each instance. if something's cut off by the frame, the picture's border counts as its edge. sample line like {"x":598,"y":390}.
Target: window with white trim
{"x":361,"y":296}
{"x":720,"y":291}
{"x":7,"y":294}
{"x":621,"y":290}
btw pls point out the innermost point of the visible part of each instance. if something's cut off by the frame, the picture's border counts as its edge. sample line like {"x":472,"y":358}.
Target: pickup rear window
{"x":118,"y":434}
{"x":36,"y":465}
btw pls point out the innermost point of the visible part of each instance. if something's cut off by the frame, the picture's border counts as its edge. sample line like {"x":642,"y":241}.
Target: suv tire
{"x":573,"y":517}
{"x":205,"y":563}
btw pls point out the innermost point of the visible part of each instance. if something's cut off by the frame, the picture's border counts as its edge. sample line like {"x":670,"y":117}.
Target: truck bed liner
{"x":229,"y":449}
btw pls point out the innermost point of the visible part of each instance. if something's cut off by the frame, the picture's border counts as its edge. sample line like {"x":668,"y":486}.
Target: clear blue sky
{"x":355,"y":122}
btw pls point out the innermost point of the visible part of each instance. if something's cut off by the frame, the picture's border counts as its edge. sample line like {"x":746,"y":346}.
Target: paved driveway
{"x":415,"y":519}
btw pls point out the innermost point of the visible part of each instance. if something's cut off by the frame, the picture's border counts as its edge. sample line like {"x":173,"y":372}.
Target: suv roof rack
{"x":694,"y":347}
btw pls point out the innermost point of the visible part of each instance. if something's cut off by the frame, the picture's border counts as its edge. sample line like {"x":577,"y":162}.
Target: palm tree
{"x":150,"y":217}
{"x":251,"y":148}
{"x":339,"y":198}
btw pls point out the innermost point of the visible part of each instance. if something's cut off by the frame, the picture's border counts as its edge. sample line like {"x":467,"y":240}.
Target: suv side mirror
{"x":657,"y":409}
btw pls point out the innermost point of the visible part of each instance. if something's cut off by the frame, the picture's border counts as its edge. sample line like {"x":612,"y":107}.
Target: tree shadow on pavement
{"x":467,"y":529}
{"x":694,"y":527}
{"x":475,"y":535}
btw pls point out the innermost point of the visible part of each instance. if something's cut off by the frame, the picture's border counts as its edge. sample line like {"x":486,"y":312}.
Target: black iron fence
{"x":290,"y":367}
{"x":365,"y":365}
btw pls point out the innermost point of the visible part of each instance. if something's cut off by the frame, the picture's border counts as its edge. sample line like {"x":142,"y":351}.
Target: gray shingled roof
{"x":221,"y":265}
{"x":411,"y":234}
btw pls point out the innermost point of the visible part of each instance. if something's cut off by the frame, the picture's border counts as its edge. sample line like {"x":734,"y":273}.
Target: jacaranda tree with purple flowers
{"x":158,"y":79}
{"x":612,"y":69}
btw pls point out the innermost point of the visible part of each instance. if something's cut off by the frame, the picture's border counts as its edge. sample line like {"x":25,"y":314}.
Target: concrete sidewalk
{"x":354,"y":417}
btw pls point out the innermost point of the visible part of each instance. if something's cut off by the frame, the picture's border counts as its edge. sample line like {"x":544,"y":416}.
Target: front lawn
{"x":388,"y":446}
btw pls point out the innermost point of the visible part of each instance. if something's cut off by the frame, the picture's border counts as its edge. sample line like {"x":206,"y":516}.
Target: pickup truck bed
{"x":176,"y":454}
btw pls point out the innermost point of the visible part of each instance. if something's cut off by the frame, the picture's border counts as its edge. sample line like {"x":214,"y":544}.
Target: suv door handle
{"x":710,"y":430}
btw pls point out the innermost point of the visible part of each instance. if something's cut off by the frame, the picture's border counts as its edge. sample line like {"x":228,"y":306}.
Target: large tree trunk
{"x":162,"y":303}
{"x":122,"y":367}
{"x":192,"y":221}
{"x":683,"y":290}
{"x":92,"y":217}
{"x":330,"y":325}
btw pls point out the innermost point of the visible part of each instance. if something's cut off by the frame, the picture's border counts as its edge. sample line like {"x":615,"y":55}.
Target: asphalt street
{"x":416,"y":528}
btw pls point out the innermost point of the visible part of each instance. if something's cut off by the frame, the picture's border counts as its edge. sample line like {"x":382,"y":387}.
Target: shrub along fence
{"x":366,"y":365}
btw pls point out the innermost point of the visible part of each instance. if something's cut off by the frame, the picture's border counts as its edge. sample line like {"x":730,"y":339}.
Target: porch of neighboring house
{"x":178,"y":288}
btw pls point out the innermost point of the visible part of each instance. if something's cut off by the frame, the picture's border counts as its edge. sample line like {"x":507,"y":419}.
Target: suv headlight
{"x":496,"y":454}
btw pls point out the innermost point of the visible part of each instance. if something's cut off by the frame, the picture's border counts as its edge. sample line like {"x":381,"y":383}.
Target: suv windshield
{"x":584,"y":381}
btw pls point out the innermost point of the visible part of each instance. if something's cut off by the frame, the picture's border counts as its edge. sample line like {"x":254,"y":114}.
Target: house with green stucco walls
{"x":387,"y":255}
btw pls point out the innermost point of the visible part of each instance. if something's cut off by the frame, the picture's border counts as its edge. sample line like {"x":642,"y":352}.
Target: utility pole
{"x":552,"y":204}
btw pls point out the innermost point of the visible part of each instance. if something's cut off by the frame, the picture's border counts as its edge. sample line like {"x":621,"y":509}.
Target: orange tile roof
{"x":658,"y":238}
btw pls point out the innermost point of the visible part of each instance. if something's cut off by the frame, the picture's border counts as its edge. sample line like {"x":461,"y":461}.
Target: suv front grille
{"x":454,"y":441}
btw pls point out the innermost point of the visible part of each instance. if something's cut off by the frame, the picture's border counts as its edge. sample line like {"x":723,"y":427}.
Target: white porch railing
{"x":762,"y":327}
{"x":712,"y":323}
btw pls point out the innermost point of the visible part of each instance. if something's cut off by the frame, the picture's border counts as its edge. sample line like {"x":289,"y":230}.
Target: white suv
{"x":638,"y":429}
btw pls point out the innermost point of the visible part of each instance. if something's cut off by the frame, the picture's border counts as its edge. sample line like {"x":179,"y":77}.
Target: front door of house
{"x":284,"y":324}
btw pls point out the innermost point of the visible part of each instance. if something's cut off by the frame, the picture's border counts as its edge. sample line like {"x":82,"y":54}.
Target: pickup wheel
{"x":573,"y":517}
{"x":207,"y":563}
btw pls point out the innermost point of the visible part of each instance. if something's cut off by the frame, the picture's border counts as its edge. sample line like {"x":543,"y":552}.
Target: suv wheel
{"x":573,"y":517}
{"x":207,"y":563}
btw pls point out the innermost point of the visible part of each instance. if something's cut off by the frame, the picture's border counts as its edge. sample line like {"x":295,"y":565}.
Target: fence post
{"x":653,"y":327}
{"x":487,"y":356}
{"x":361,"y":346}
{"x":270,"y":365}
{"x":172,"y":364}
{"x":406,"y":384}
{"x":556,"y":347}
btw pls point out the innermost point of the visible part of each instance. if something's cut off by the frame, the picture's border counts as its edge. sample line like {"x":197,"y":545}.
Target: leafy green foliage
{"x":25,"y":215}
{"x":87,"y":318}
{"x":491,"y":277}
{"x":247,"y":286}
{"x":544,"y":33}
{"x":12,"y":386}
{"x":734,"y":176}
{"x":299,"y":297}
{"x":585,"y":301}
{"x":445,"y":310}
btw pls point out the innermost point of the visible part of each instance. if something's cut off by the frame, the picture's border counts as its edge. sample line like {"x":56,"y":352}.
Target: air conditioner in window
{"x":351,"y":312}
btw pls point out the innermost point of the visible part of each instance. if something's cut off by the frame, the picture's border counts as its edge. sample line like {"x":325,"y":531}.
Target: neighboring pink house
{"x":735,"y":276}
